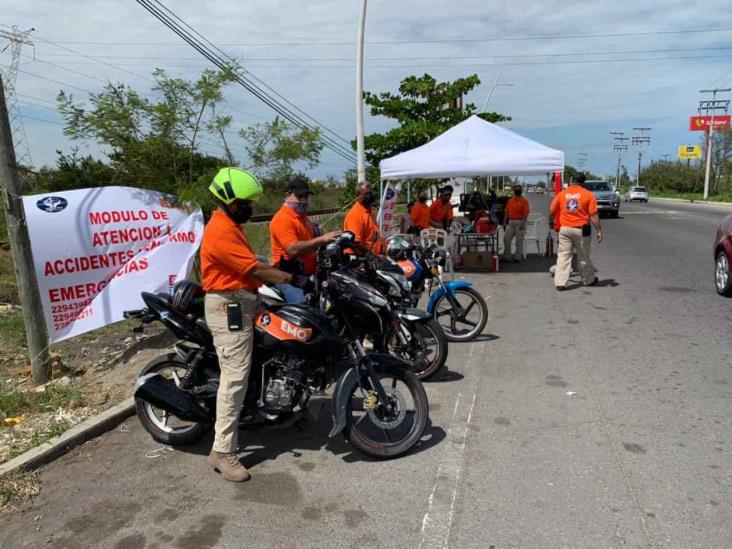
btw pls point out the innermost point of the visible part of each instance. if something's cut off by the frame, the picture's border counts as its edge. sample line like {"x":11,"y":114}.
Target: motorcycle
{"x":378,"y":403}
{"x":456,"y":306}
{"x":406,"y":332}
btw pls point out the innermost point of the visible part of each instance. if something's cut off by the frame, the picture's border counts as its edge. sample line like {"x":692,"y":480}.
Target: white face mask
{"x":295,"y":204}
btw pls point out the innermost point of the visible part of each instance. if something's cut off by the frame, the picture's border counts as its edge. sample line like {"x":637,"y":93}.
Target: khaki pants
{"x":570,"y":238}
{"x":234,"y":350}
{"x":513,"y":229}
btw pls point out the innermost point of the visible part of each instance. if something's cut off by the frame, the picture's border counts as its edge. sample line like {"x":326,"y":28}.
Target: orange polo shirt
{"x":439,"y":211}
{"x":574,"y":205}
{"x":421,"y":215}
{"x":287,"y":227}
{"x":362,"y":223}
{"x":226,"y":256}
{"x":517,"y":207}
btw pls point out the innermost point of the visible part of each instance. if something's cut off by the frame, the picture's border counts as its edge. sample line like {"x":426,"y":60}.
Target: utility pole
{"x":665,"y":157}
{"x":361,"y":162}
{"x":496,"y":83}
{"x":25,"y":272}
{"x":640,"y":142}
{"x":711,"y":107}
{"x":619,"y":148}
{"x":17,"y":39}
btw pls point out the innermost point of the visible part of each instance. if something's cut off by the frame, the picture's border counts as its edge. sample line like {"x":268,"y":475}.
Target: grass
{"x":693,"y":197}
{"x":12,"y":332}
{"x":17,"y":403}
{"x":17,"y":488}
{"x":39,"y":437}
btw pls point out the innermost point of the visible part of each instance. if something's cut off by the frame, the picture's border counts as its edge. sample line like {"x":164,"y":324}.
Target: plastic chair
{"x":532,"y":232}
{"x":439,"y":238}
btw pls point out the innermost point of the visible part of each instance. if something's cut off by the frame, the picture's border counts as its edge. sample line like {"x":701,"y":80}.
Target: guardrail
{"x":311,"y":213}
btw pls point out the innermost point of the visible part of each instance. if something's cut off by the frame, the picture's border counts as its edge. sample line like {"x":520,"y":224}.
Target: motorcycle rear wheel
{"x":427,"y":351}
{"x":387,"y":430}
{"x":163,"y":426}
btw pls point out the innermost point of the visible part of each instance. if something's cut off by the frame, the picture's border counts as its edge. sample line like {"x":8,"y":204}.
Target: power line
{"x":223,"y":61}
{"x":28,"y":117}
{"x":351,"y":59}
{"x":463,"y":65}
{"x":249,"y":74}
{"x":432,"y":41}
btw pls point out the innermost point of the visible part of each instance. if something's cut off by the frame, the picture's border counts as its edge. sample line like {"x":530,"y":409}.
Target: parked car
{"x":637,"y":193}
{"x":608,"y":200}
{"x":723,"y":257}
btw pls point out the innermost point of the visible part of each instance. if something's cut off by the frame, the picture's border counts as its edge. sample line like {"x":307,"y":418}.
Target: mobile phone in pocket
{"x":234,"y":316}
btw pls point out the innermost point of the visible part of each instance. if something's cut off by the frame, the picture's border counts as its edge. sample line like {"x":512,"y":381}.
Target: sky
{"x":578,"y":70}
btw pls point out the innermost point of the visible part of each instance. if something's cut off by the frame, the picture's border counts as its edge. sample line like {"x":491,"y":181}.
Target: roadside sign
{"x":702,"y":123}
{"x":689,"y":152}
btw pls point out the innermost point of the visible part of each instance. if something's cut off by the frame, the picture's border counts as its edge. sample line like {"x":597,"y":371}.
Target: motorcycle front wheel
{"x":163,"y":426}
{"x":470,"y":323}
{"x":387,"y":429}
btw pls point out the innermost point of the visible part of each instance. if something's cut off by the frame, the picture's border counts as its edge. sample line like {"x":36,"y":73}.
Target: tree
{"x":73,"y":172}
{"x":424,"y":108}
{"x":274,"y":147}
{"x":152,"y":143}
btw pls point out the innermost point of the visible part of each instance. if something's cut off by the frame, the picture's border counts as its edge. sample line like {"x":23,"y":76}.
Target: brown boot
{"x":229,"y":466}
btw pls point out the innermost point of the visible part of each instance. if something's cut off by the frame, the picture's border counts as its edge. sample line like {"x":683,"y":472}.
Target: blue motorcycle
{"x":457,"y":307}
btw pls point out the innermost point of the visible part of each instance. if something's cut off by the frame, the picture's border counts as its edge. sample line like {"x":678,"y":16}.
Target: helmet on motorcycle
{"x":397,"y":246}
{"x":232,"y":184}
{"x":188,"y":297}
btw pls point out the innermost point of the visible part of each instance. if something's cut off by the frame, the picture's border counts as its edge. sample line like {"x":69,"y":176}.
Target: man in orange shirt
{"x":361,"y":221}
{"x":231,"y":275}
{"x":292,"y":237}
{"x":514,"y":224}
{"x":577,"y":209}
{"x":441,"y":209}
{"x":420,"y":214}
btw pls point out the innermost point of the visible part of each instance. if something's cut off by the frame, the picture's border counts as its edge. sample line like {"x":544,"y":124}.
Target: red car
{"x":723,"y":257}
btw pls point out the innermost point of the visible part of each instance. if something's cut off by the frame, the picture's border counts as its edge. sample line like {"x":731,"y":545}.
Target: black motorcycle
{"x":405,"y":332}
{"x":378,"y":402}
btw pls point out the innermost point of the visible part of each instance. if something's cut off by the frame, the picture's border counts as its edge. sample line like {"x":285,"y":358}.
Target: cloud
{"x":565,"y":92}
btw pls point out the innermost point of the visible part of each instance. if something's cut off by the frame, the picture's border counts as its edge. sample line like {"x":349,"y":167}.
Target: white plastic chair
{"x":532,"y":232}
{"x":439,"y":238}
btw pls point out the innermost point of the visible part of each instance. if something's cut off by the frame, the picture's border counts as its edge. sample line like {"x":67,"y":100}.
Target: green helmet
{"x":235,"y":184}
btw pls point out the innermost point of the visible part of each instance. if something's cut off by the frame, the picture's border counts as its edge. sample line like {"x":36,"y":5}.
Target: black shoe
{"x":594,"y":282}
{"x":561,"y":288}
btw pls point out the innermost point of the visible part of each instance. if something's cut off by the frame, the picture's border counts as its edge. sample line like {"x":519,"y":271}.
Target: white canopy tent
{"x":474,"y":148}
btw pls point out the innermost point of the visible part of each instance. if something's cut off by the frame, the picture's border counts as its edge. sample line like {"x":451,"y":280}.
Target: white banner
{"x":386,"y":218}
{"x":96,"y":249}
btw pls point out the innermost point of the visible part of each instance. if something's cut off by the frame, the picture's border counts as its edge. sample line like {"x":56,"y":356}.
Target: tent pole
{"x":409,"y":190}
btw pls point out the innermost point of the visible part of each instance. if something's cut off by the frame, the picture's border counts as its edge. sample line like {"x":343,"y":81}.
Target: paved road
{"x":597,"y":417}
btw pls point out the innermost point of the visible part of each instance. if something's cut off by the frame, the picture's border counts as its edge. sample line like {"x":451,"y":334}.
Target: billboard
{"x":690,"y":152}
{"x":96,"y":249}
{"x":702,"y":123}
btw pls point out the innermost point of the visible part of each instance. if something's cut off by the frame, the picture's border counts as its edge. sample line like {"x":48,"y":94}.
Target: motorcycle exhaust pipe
{"x":162,"y":393}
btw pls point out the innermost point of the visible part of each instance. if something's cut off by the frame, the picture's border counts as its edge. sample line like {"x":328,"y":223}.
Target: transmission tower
{"x":16,"y":41}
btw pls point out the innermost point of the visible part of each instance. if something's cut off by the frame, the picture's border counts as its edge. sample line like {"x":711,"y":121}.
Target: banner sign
{"x":386,"y":218}
{"x":688,"y":152}
{"x":96,"y":249}
{"x":702,"y":123}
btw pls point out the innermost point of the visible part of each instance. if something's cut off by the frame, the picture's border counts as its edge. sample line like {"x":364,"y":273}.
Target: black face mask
{"x":368,"y":198}
{"x":517,"y":193}
{"x":242,"y":215}
{"x":423,"y":199}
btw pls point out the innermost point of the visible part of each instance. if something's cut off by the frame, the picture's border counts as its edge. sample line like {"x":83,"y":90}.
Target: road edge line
{"x":76,"y":436}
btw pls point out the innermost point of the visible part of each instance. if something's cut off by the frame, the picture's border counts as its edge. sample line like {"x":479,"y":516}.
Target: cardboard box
{"x":477,"y":260}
